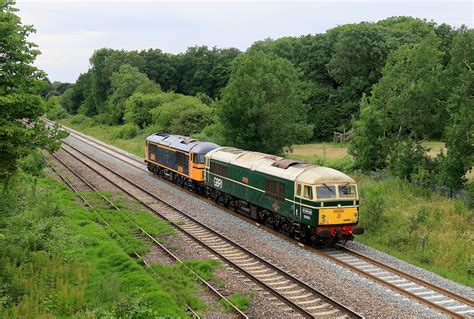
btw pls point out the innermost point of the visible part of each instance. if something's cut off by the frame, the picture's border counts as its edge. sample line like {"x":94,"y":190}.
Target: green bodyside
{"x":250,"y":186}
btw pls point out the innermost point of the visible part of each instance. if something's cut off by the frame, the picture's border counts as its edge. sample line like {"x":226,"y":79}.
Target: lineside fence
{"x":462,"y":194}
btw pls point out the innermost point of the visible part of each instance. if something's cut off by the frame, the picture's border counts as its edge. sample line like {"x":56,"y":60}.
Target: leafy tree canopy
{"x":459,"y":134}
{"x":20,"y":85}
{"x":404,"y":108}
{"x":262,"y":107}
{"x":123,"y":84}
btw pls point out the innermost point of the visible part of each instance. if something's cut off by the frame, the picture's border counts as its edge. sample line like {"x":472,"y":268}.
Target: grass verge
{"x":241,"y":301}
{"x":57,"y":259}
{"x":135,"y":143}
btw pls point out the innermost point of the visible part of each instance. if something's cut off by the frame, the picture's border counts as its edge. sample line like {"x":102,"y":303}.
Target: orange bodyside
{"x":196,"y":171}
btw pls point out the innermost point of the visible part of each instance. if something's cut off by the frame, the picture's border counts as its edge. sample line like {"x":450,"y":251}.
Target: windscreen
{"x":347,"y":191}
{"x":326,"y":191}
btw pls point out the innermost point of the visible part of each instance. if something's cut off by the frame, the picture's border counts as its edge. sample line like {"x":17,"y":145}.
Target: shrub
{"x":408,"y":160}
{"x":418,"y":218}
{"x":79,"y":119}
{"x":185,"y":115}
{"x":139,"y":105}
{"x":191,"y":121}
{"x":33,"y":163}
{"x":127,"y":131}
{"x":212,"y":133}
{"x":372,"y":208}
{"x":55,"y":110}
{"x":344,"y":164}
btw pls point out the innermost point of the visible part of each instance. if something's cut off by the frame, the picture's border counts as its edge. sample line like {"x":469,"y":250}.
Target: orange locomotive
{"x":177,"y":158}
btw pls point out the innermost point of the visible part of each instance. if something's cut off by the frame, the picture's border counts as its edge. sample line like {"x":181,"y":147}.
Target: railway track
{"x":297,"y":295}
{"x":438,"y":298}
{"x":84,"y":184}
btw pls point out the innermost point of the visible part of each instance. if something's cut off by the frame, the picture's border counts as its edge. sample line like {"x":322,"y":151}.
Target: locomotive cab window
{"x":308,"y":192}
{"x":198,"y":158}
{"x":347,"y":191}
{"x":326,"y":191}
{"x":298,"y":190}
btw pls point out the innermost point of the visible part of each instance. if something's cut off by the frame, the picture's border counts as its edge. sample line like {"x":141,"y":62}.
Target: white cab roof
{"x":278,"y":166}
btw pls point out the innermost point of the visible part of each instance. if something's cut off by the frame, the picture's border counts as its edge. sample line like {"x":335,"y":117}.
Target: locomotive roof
{"x":182,"y":143}
{"x":278,"y":166}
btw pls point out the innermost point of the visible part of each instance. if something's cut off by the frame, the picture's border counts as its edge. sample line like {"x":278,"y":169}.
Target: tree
{"x":262,"y":106}
{"x":406,"y":107}
{"x":161,"y":68}
{"x":20,"y":85}
{"x":181,"y":114}
{"x":204,"y":70}
{"x":104,"y":63}
{"x":123,"y":84}
{"x":459,"y":134}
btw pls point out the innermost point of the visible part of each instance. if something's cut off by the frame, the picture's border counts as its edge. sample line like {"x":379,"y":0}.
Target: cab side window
{"x":198,"y":158}
{"x":298,"y":190}
{"x":308,"y":192}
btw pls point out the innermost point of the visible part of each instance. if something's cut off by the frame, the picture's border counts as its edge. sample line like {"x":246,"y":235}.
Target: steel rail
{"x":148,"y":235}
{"x":410,"y":277}
{"x":243,"y":249}
{"x":390,"y":285}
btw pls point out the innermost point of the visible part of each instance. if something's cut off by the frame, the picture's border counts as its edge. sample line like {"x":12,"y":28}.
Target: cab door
{"x":297,"y":199}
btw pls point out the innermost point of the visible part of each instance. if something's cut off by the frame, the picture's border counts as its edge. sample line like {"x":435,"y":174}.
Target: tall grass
{"x":417,"y":225}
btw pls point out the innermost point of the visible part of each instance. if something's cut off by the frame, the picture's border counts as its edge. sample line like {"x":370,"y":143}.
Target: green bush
{"x":185,"y":115}
{"x":33,"y":163}
{"x":372,"y":208}
{"x":139,"y":105}
{"x":191,"y":121}
{"x":212,"y":133}
{"x":79,"y":119}
{"x":344,"y":164}
{"x":418,"y":218}
{"x":55,"y":110}
{"x":127,"y":131}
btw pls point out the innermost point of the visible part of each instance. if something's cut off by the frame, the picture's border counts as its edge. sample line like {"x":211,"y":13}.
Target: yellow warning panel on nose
{"x":337,"y":216}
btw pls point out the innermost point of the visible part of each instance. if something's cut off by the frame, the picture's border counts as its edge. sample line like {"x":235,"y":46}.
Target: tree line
{"x":21,"y":130}
{"x":393,"y":84}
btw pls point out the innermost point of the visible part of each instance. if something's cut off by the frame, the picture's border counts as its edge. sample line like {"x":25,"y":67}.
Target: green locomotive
{"x":305,"y":201}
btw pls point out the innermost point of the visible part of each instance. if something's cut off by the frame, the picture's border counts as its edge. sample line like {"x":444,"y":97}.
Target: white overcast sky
{"x":68,"y":32}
